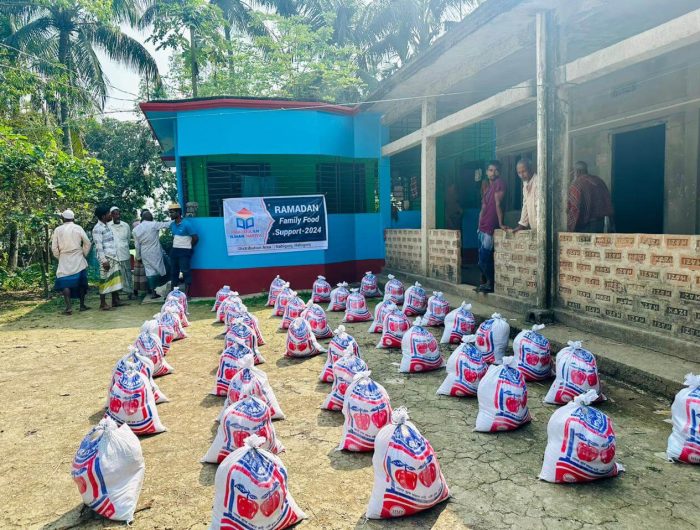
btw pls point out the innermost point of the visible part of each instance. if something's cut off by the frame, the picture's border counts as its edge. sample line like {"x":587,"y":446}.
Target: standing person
{"x":149,"y":251}
{"x":528,"y":216}
{"x":106,"y":252}
{"x":122,"y":237}
{"x":70,"y":245}
{"x":490,"y":218}
{"x":589,"y":202}
{"x":184,"y":241}
{"x":139,"y":275}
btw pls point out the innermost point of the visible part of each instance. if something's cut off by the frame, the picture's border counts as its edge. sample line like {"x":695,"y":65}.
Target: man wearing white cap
{"x":70,"y":245}
{"x":122,"y":236}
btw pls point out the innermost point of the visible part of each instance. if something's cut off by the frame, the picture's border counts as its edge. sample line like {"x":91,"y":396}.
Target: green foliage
{"x":132,"y":165}
{"x":291,"y":60}
{"x":23,"y":279}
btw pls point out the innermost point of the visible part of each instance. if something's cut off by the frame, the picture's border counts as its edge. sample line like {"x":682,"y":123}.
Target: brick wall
{"x":403,"y":250}
{"x":403,"y":253}
{"x":515,"y":258}
{"x":445,"y":255}
{"x":647,"y":281}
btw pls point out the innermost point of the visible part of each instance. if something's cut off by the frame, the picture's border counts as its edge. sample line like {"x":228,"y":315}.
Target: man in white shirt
{"x":70,"y":245}
{"x":122,"y":236}
{"x":528,"y":216}
{"x":149,"y":251}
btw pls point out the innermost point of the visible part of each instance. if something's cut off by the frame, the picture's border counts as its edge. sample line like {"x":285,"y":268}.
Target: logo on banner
{"x":245,"y":219}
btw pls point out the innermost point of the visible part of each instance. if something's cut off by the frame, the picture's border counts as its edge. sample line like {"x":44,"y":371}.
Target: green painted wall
{"x":291,"y":175}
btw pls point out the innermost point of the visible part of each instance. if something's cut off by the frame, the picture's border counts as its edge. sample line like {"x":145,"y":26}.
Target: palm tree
{"x":396,"y":30}
{"x":64,"y":37}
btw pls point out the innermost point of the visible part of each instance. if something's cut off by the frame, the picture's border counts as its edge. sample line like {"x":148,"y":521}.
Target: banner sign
{"x":255,"y":225}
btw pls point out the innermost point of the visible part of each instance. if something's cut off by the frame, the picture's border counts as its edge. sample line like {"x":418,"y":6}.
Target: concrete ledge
{"x":652,"y":371}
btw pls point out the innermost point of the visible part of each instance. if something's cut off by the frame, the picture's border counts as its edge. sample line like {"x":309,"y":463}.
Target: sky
{"x":125,"y":79}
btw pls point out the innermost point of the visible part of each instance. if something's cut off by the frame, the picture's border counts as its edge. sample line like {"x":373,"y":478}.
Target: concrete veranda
{"x":54,"y":375}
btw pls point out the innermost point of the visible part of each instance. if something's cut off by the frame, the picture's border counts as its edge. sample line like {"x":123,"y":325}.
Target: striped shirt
{"x":103,"y":238}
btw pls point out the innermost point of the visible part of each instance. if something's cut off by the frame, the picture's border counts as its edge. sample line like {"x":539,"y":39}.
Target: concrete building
{"x":615,"y":84}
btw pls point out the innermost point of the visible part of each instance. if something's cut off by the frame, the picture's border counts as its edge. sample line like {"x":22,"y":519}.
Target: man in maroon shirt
{"x":490,"y":218}
{"x":589,"y":202}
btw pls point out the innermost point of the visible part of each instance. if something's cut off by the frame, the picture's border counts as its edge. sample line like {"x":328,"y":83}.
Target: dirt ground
{"x":53,"y":376}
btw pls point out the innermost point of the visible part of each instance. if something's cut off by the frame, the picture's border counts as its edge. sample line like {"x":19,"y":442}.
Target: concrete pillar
{"x":559,"y":159}
{"x":542,"y":79}
{"x":428,"y":164}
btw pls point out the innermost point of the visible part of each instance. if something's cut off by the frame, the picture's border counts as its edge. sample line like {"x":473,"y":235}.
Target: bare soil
{"x":53,"y":376}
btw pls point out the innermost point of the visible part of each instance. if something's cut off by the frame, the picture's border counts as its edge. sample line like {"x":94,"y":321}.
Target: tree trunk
{"x":45,"y":256}
{"x":63,"y":58}
{"x":194,"y":68}
{"x":229,"y":51}
{"x":13,"y":249}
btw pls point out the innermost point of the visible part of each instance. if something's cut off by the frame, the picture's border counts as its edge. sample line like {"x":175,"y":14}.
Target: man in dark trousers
{"x":184,"y":241}
{"x":589,"y":203}
{"x":490,"y":218}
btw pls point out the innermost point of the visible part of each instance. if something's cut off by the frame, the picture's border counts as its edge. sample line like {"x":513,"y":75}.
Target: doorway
{"x":638,"y":180}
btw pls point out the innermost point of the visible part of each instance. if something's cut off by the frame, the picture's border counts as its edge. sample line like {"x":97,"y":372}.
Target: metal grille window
{"x":236,"y":180}
{"x":344,"y":185}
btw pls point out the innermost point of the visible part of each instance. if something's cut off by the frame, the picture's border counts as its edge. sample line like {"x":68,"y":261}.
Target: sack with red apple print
{"x":108,"y":469}
{"x":394,"y":290}
{"x":136,"y":361}
{"x":465,"y":370}
{"x":251,"y":381}
{"x":533,"y":353}
{"x":173,"y":304}
{"x":369,"y":287}
{"x":576,"y":374}
{"x":438,"y":308}
{"x":420,"y":350}
{"x":247,"y":416}
{"x":131,"y":401}
{"x":415,"y":301}
{"x":321,"y":290}
{"x":221,"y":295}
{"x":295,"y":306}
{"x":580,"y":443}
{"x":282,"y":299}
{"x":339,"y":297}
{"x":341,"y":341}
{"x":231,"y":308}
{"x":380,"y":311}
{"x":239,"y":332}
{"x":684,"y":442}
{"x":395,"y":325}
{"x":407,"y":476}
{"x":367,"y":409}
{"x":492,"y":338}
{"x":502,"y":395}
{"x":250,"y":320}
{"x":148,"y":345}
{"x":170,"y":315}
{"x":251,"y":491}
{"x":181,"y":297}
{"x":356,"y":308}
{"x":301,"y":342}
{"x":275,"y":287}
{"x":317,"y":319}
{"x":166,"y":332}
{"x":230,"y":361}
{"x":344,"y":370}
{"x":458,"y":323}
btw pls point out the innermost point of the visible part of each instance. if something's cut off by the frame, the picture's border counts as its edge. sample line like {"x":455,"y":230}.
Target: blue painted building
{"x":225,"y":147}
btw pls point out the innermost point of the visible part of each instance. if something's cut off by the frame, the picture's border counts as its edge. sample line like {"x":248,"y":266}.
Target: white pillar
{"x":428,"y":161}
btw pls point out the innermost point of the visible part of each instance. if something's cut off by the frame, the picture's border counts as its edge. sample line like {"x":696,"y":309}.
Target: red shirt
{"x":488,"y":219}
{"x":589,"y":200}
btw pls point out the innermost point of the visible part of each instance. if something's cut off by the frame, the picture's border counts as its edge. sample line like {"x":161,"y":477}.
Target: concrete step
{"x":652,"y":371}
